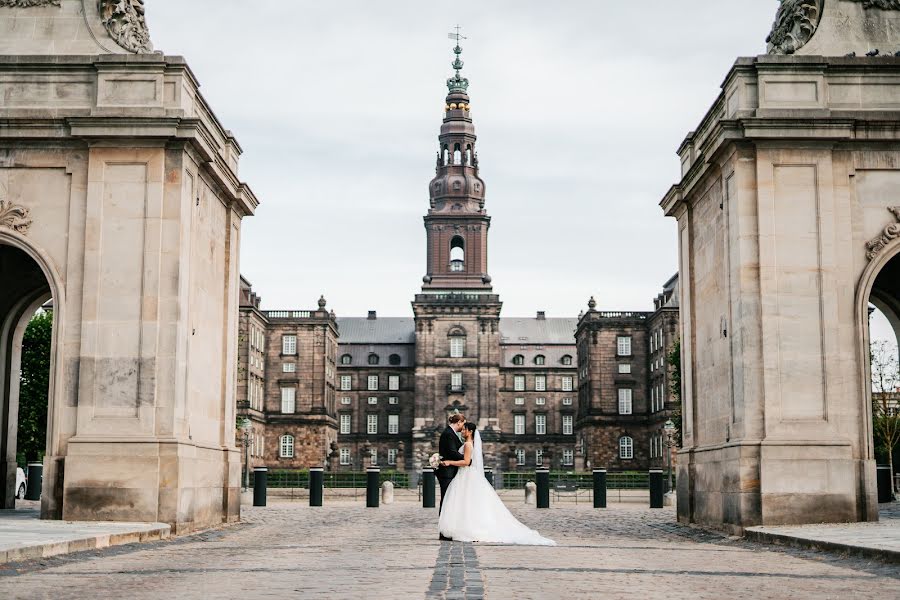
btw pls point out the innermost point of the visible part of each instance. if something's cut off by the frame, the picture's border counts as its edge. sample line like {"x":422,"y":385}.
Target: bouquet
{"x":435,"y":460}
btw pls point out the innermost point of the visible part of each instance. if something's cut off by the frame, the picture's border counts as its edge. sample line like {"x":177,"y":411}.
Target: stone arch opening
{"x":457,"y":254}
{"x":26,"y":284}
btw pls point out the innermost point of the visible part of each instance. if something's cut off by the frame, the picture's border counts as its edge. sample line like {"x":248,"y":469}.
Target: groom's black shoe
{"x":444,"y":538}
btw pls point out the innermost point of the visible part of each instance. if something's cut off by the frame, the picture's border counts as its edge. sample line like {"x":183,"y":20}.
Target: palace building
{"x":349,"y":392}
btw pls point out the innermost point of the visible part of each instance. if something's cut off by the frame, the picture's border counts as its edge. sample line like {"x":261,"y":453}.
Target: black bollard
{"x":883,"y":479}
{"x":35,"y":480}
{"x":542,"y":478}
{"x":489,"y":475}
{"x":599,"y":488}
{"x":428,"y":488}
{"x":373,"y":481}
{"x":656,"y":488}
{"x":260,"y":481}
{"x":316,"y":483}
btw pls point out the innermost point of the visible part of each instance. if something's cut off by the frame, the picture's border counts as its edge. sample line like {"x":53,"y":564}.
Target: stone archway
{"x":26,"y":282}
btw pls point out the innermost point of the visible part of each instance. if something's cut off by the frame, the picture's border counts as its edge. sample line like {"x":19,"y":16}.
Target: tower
{"x":457,"y":314}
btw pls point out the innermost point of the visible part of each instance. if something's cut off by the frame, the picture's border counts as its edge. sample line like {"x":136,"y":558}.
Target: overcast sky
{"x":579,"y":107}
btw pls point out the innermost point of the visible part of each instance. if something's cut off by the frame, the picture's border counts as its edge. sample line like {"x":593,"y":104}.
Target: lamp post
{"x":245,"y":430}
{"x":669,"y":430}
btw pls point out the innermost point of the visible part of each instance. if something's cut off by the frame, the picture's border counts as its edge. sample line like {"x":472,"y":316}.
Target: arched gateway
{"x":119,"y":200}
{"x":789,"y":227}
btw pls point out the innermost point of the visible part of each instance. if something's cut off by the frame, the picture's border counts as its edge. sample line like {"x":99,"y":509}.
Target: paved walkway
{"x":347,"y":551}
{"x":876,"y":540}
{"x":24,"y":536}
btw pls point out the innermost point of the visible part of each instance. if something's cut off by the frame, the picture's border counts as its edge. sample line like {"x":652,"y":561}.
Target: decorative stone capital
{"x":891,"y":233}
{"x":13,"y":216}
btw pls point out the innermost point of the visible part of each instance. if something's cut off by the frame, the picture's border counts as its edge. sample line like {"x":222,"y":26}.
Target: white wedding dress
{"x":473,"y":512}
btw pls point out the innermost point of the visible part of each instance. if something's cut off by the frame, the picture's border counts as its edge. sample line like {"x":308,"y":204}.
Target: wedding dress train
{"x":473,"y":512}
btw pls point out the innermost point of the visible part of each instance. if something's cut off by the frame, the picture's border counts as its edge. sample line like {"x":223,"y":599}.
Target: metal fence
{"x":284,"y":478}
{"x":570,"y":481}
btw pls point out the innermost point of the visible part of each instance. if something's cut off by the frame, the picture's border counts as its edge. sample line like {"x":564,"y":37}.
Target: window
{"x":653,"y":399}
{"x":567,"y":360}
{"x":286,"y":449}
{"x":346,"y":383}
{"x":567,"y":402}
{"x":540,"y":383}
{"x":568,"y":458}
{"x":520,"y":457}
{"x":519,"y":383}
{"x":393,"y":400}
{"x":567,"y":383}
{"x":518,"y":360}
{"x":625,"y":403}
{"x":540,"y":401}
{"x":520,"y":425}
{"x":373,"y":359}
{"x":540,"y":360}
{"x":371,"y":424}
{"x":520,"y":401}
{"x":626,"y":448}
{"x":568,"y":421}
{"x":288,"y":400}
{"x":393,"y":424}
{"x":373,"y":383}
{"x":345,"y":456}
{"x":457,"y":253}
{"x":373,"y":453}
{"x":539,"y":458}
{"x":394,"y":360}
{"x":623,"y":345}
{"x":346,"y":360}
{"x":624,"y":368}
{"x":457,"y":346}
{"x":394,"y":382}
{"x":456,"y":381}
{"x":392,"y":456}
{"x":289,"y":344}
{"x":540,"y":424}
{"x":288,"y":368}
{"x":373,"y":399}
{"x":346,"y":400}
{"x":345,"y":424}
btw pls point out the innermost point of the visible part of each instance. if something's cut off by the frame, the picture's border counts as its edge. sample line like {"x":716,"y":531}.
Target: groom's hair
{"x":457,"y":418}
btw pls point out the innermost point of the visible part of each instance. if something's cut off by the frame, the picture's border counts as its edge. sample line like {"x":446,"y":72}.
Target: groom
{"x":448,"y":448}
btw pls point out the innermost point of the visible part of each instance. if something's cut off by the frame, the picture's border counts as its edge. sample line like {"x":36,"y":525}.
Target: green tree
{"x":885,"y":400}
{"x":34,"y":387}
{"x":674,"y":360}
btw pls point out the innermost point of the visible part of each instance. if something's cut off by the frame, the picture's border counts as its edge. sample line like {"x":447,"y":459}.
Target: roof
{"x":359,"y":355}
{"x":538,"y":331}
{"x":383,"y":330}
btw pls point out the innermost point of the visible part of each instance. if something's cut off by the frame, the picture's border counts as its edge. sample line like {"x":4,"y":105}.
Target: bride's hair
{"x":471,"y":426}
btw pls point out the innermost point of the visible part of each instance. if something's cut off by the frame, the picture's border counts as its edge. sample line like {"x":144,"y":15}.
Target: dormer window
{"x":540,"y":360}
{"x":518,"y":360}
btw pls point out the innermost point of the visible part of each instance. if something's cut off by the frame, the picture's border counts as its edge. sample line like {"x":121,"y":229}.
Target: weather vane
{"x":458,"y":82}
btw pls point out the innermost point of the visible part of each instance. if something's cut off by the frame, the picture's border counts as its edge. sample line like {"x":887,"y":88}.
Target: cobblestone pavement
{"x":347,"y":551}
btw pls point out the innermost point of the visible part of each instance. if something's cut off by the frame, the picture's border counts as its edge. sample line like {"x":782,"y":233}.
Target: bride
{"x":473,"y":512}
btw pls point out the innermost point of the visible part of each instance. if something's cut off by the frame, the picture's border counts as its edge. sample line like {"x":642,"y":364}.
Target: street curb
{"x":766,"y":537}
{"x":157,"y":531}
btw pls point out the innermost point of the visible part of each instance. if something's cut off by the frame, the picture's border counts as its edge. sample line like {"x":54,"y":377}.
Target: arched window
{"x":457,"y":344}
{"x":346,"y":359}
{"x":286,"y":446}
{"x":457,"y":254}
{"x":567,"y":360}
{"x":518,"y":360}
{"x":540,"y":360}
{"x":373,"y":359}
{"x":626,"y":448}
{"x":394,"y":359}
{"x":457,"y":155}
{"x":446,"y":155}
{"x":469,"y":154}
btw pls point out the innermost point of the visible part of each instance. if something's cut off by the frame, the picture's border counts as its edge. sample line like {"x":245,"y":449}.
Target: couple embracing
{"x":471,"y":511}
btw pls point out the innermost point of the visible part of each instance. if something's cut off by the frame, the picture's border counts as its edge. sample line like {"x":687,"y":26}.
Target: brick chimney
{"x":541,"y":315}
{"x":373,"y":315}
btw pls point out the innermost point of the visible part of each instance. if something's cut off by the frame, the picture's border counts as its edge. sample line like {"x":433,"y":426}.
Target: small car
{"x":20,"y":484}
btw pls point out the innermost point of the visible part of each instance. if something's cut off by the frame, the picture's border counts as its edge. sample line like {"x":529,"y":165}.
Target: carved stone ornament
{"x":125,"y":22}
{"x":891,"y":233}
{"x":13,"y":216}
{"x":795,"y":23}
{"x":28,"y":3}
{"x":882,"y":4}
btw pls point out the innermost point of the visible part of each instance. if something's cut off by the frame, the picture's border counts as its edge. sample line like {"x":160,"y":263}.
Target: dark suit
{"x":448,"y":448}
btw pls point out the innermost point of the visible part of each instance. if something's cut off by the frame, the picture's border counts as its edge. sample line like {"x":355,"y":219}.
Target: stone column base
{"x":186,"y":486}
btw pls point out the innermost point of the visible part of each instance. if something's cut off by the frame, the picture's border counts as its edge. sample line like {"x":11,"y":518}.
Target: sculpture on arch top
{"x":835,"y":27}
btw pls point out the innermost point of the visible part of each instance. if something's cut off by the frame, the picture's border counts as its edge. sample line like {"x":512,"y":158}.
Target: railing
{"x":285,"y":478}
{"x":626,"y":480}
{"x":456,"y":389}
{"x":623,"y":315}
{"x":288,"y":314}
